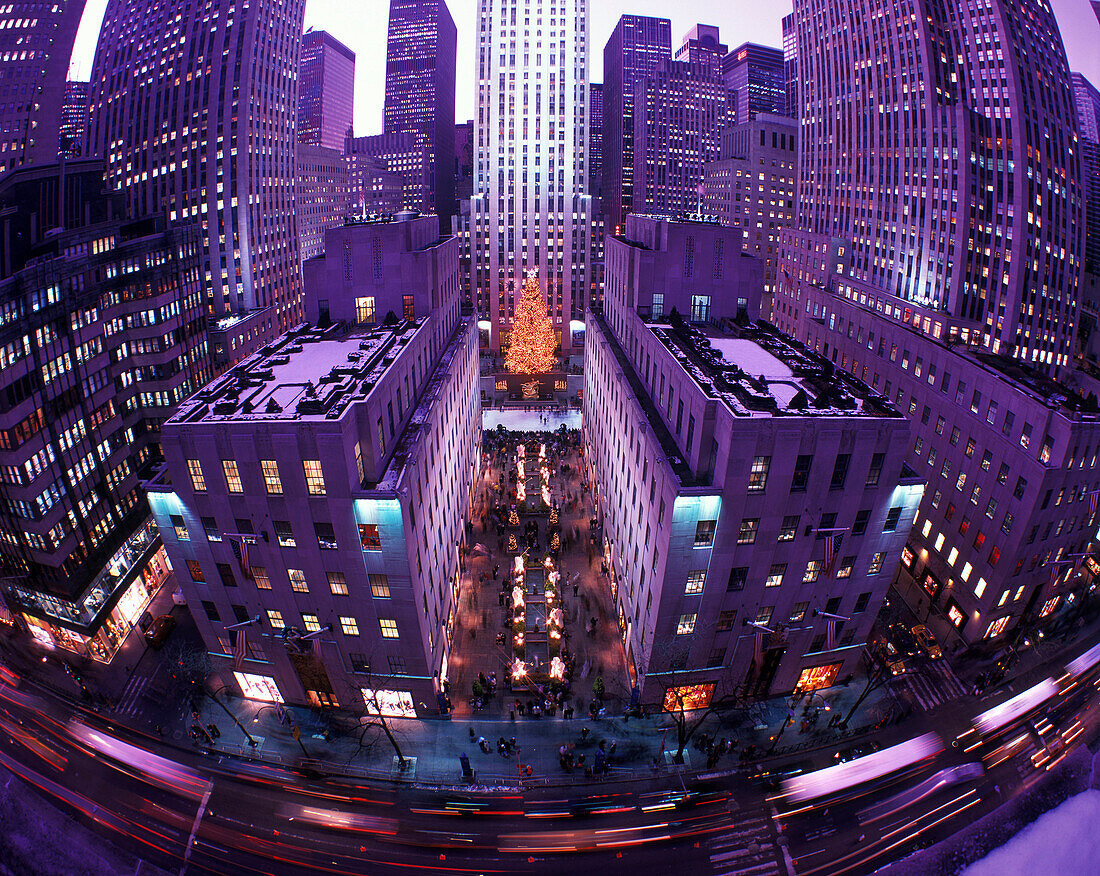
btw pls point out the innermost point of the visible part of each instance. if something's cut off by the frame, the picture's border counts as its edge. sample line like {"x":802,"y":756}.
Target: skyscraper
{"x":74,"y":120}
{"x":632,"y":52}
{"x":703,"y":45}
{"x":790,"y":64}
{"x":1000,"y":271}
{"x":757,"y":74}
{"x":1087,"y":102}
{"x":36,"y":40}
{"x":946,"y":277}
{"x":679,"y":110}
{"x":595,"y":138}
{"x":324,"y":196}
{"x":192,"y":107}
{"x":326,"y":91}
{"x":530,"y":210}
{"x":420,"y":93}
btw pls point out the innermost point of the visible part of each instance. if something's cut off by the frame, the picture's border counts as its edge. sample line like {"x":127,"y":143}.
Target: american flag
{"x":830,"y":552}
{"x":758,"y":649}
{"x":830,"y":634}
{"x":240,"y":551}
{"x":240,"y":647}
{"x":701,"y":189}
{"x":1054,"y":570}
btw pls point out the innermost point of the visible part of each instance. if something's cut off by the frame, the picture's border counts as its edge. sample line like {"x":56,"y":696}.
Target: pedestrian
{"x":483,"y":744}
{"x":472,"y":734}
{"x":584,"y":733}
{"x":575,"y":588}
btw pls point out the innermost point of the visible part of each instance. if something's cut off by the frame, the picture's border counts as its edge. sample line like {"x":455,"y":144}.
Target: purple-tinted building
{"x":36,"y":40}
{"x":679,"y":111}
{"x":326,"y":91}
{"x":947,"y":278}
{"x":703,"y":45}
{"x":403,"y":155}
{"x":74,"y":120}
{"x":464,"y":160}
{"x":420,"y":94}
{"x":635,"y":47}
{"x":757,"y":74}
{"x":595,"y":138}
{"x":1087,"y":101}
{"x":790,"y":64}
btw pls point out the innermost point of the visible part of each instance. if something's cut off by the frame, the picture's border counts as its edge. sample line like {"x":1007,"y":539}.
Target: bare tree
{"x":878,"y":673}
{"x":376,"y":712}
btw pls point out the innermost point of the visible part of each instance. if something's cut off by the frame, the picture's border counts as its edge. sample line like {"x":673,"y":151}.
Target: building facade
{"x":1087,"y":102}
{"x":206,"y":131}
{"x":679,"y":111}
{"x":636,"y":45}
{"x":790,"y":64}
{"x":530,"y":209}
{"x":751,"y":187}
{"x":752,"y":498}
{"x":464,"y":160}
{"x":74,"y":120}
{"x":1003,"y":273}
{"x":323,"y":485}
{"x":420,"y":94}
{"x":326,"y":91}
{"x":323,"y":196}
{"x":36,"y":40}
{"x":402,"y":154}
{"x":757,"y":74}
{"x":103,"y":336}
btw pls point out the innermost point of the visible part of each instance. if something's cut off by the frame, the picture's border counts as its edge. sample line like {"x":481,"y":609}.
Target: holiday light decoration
{"x":531,"y":350}
{"x":553,"y":516}
{"x":513,"y":545}
{"x":513,"y":518}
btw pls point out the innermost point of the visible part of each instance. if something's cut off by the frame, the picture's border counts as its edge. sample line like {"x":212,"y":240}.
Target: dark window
{"x":840,"y":471}
{"x":875,"y":471}
{"x":240,"y":613}
{"x":861,"y":601}
{"x":801,"y":475}
{"x":359,"y":662}
{"x":1021,"y":486}
{"x":818,"y":644}
{"x":704,"y":533}
{"x":225,"y":572}
{"x":397,"y":664}
{"x":860,"y":525}
{"x":210,"y":527}
{"x":726,"y":620}
{"x":892,"y":518}
{"x":738,"y":576}
{"x":211,"y":611}
{"x":326,"y":536}
{"x":833,"y":605}
{"x":284,"y":533}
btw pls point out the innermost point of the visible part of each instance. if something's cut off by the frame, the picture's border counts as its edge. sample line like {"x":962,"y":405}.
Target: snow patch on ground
{"x":528,"y":421}
{"x":1061,"y":842}
{"x":751,"y":358}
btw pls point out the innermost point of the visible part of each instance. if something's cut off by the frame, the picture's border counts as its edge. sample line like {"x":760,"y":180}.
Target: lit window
{"x":845,"y":570}
{"x":877,"y":560}
{"x":259,"y":575}
{"x":337,"y":583}
{"x":379,"y":586}
{"x":749,"y":526}
{"x":996,"y":627}
{"x":758,"y":474}
{"x":764,"y":615}
{"x":368,"y":536}
{"x":180,"y":528}
{"x":195,"y":569}
{"x":315,"y":480}
{"x":798,"y":612}
{"x":980,"y":588}
{"x":364,"y":310}
{"x":349,"y":625}
{"x":198,"y":482}
{"x":388,"y":627}
{"x":789,"y":528}
{"x":284,"y":533}
{"x":695,"y":581}
{"x":813,"y":570}
{"x":297,"y":580}
{"x":275,"y":618}
{"x":686,"y":625}
{"x":232,"y":476}
{"x":311,"y":623}
{"x":270,"y":469}
{"x":775,"y":575}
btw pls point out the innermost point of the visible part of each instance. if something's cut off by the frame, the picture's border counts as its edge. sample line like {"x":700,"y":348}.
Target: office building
{"x":790,"y":64}
{"x":957,"y":308}
{"x":751,"y":187}
{"x":758,"y":76}
{"x":323,"y":485}
{"x":636,"y":45}
{"x":74,"y":120}
{"x":753,"y":499}
{"x":595,"y":139}
{"x":530,"y":210}
{"x":464,"y":160}
{"x":104,"y":335}
{"x":326,"y":91}
{"x":420,"y":94}
{"x":402,"y":154}
{"x":323,"y":196}
{"x":186,"y":131}
{"x":1087,"y":104}
{"x":702,"y":45}
{"x":372,"y":188}
{"x":679,"y":111}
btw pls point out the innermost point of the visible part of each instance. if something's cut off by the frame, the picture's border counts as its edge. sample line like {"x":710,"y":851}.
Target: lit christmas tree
{"x":532,"y":345}
{"x":513,"y":518}
{"x":513,"y":545}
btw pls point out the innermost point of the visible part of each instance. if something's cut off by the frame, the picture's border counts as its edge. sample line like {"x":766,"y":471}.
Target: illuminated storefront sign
{"x":389,"y":703}
{"x":689,"y":696}
{"x":817,"y":677}
{"x":258,"y":687}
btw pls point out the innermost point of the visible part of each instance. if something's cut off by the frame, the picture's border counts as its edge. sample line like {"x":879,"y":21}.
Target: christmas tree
{"x":532,"y":345}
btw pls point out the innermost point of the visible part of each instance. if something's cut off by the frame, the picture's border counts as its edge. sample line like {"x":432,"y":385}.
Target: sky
{"x":361,"y":25}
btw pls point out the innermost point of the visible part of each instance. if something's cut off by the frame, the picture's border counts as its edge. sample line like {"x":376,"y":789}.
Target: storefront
{"x":689,"y":696}
{"x":389,"y":703}
{"x":258,"y":687}
{"x":818,"y":677}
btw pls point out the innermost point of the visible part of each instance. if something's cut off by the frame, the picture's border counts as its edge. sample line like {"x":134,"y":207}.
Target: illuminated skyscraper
{"x":530,"y":210}
{"x":420,"y":94}
{"x":633,"y":51}
{"x":193,"y":108}
{"x":36,"y":40}
{"x":756,"y":73}
{"x":74,"y":120}
{"x":326,"y":91}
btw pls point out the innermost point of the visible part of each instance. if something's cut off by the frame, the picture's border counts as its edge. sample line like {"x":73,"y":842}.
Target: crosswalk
{"x":748,"y":849}
{"x":932,"y":685}
{"x":130,"y":701}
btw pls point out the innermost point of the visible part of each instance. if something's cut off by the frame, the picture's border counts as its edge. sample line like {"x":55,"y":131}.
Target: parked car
{"x":927,"y":642}
{"x":160,"y":630}
{"x":903,"y":640}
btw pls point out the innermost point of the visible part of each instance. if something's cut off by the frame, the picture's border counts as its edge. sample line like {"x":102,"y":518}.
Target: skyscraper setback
{"x":192,"y":107}
{"x":633,"y":51}
{"x":420,"y":93}
{"x":326,"y":91}
{"x":530,"y":210}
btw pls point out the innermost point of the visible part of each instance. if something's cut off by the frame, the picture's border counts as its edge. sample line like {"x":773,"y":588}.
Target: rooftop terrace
{"x":308,"y":373}
{"x":758,"y":371}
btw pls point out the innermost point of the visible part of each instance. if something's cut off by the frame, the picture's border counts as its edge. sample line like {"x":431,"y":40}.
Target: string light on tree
{"x":531,"y":349}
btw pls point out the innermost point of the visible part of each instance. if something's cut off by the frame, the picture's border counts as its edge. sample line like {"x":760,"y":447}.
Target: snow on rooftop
{"x":751,"y":358}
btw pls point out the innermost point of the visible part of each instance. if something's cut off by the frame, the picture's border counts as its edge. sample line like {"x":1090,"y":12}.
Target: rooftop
{"x":308,"y":373}
{"x":758,"y":371}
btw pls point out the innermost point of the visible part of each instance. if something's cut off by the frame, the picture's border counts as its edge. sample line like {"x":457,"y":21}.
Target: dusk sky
{"x":362,"y":27}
